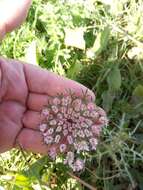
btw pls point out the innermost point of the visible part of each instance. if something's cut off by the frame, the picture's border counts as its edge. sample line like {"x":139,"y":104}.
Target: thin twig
{"x":81,"y":181}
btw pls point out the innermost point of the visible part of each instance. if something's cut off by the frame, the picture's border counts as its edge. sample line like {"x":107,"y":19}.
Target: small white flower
{"x":70,"y":139}
{"x":86,"y":113}
{"x":57,"y":138}
{"x":74,"y":133}
{"x":94,"y":114}
{"x":81,"y":134}
{"x":87,"y":133}
{"x":59,"y":129}
{"x":84,"y":145}
{"x":83,"y":107}
{"x":60,"y":116}
{"x":60,"y":122}
{"x":53,"y":122}
{"x":84,"y":125}
{"x":69,"y":158}
{"x":89,"y":122}
{"x":50,"y":131}
{"x":48,"y":139}
{"x":54,"y":109}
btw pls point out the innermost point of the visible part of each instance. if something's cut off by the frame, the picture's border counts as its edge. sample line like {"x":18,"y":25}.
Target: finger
{"x":44,"y":82}
{"x":36,"y":102}
{"x":13,"y":14}
{"x":32,"y":119}
{"x":31,"y":140}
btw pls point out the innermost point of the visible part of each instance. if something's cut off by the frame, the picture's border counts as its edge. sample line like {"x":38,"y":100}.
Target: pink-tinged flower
{"x":63,"y":147}
{"x":83,"y":146}
{"x":84,"y":125}
{"x":48,"y":139}
{"x":91,"y":106}
{"x":66,"y":100}
{"x":93,"y":142}
{"x":63,"y":110}
{"x":43,"y":127}
{"x":45,"y":112}
{"x":52,"y":153}
{"x":81,"y":119}
{"x":77,"y":104}
{"x":72,"y":126}
{"x":56,"y":101}
{"x":96,"y":129}
{"x":78,"y":165}
{"x":103,"y":120}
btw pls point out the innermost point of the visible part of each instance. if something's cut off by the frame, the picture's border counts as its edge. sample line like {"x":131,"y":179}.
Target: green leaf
{"x":74,"y":70}
{"x":114,"y":79}
{"x":108,"y":98}
{"x":35,"y":169}
{"x":101,"y":41}
{"x":138,"y":91}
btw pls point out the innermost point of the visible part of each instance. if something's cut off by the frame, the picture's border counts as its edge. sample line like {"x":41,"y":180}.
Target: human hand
{"x":12,"y":14}
{"x":24,"y":90}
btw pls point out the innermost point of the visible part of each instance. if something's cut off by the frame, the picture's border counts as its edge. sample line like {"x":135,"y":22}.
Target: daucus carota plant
{"x":71,"y":127}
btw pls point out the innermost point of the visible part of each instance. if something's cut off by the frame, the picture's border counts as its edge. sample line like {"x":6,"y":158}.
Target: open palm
{"x":24,"y":90}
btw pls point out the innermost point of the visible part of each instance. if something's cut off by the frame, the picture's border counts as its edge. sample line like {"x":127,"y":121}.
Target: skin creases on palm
{"x":13,"y":95}
{"x":24,"y":90}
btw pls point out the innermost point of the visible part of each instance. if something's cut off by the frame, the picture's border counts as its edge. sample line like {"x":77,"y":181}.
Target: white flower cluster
{"x":71,"y":127}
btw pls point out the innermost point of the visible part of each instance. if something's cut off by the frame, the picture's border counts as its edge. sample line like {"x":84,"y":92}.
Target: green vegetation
{"x":100,"y":44}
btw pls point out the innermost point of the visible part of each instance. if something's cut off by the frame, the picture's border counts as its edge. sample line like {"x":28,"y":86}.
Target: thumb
{"x":12,"y":14}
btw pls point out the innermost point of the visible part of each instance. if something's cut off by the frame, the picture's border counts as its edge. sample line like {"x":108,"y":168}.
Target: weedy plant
{"x":99,"y":44}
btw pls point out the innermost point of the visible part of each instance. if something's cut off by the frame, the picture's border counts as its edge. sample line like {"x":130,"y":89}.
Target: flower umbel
{"x":71,"y":126}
